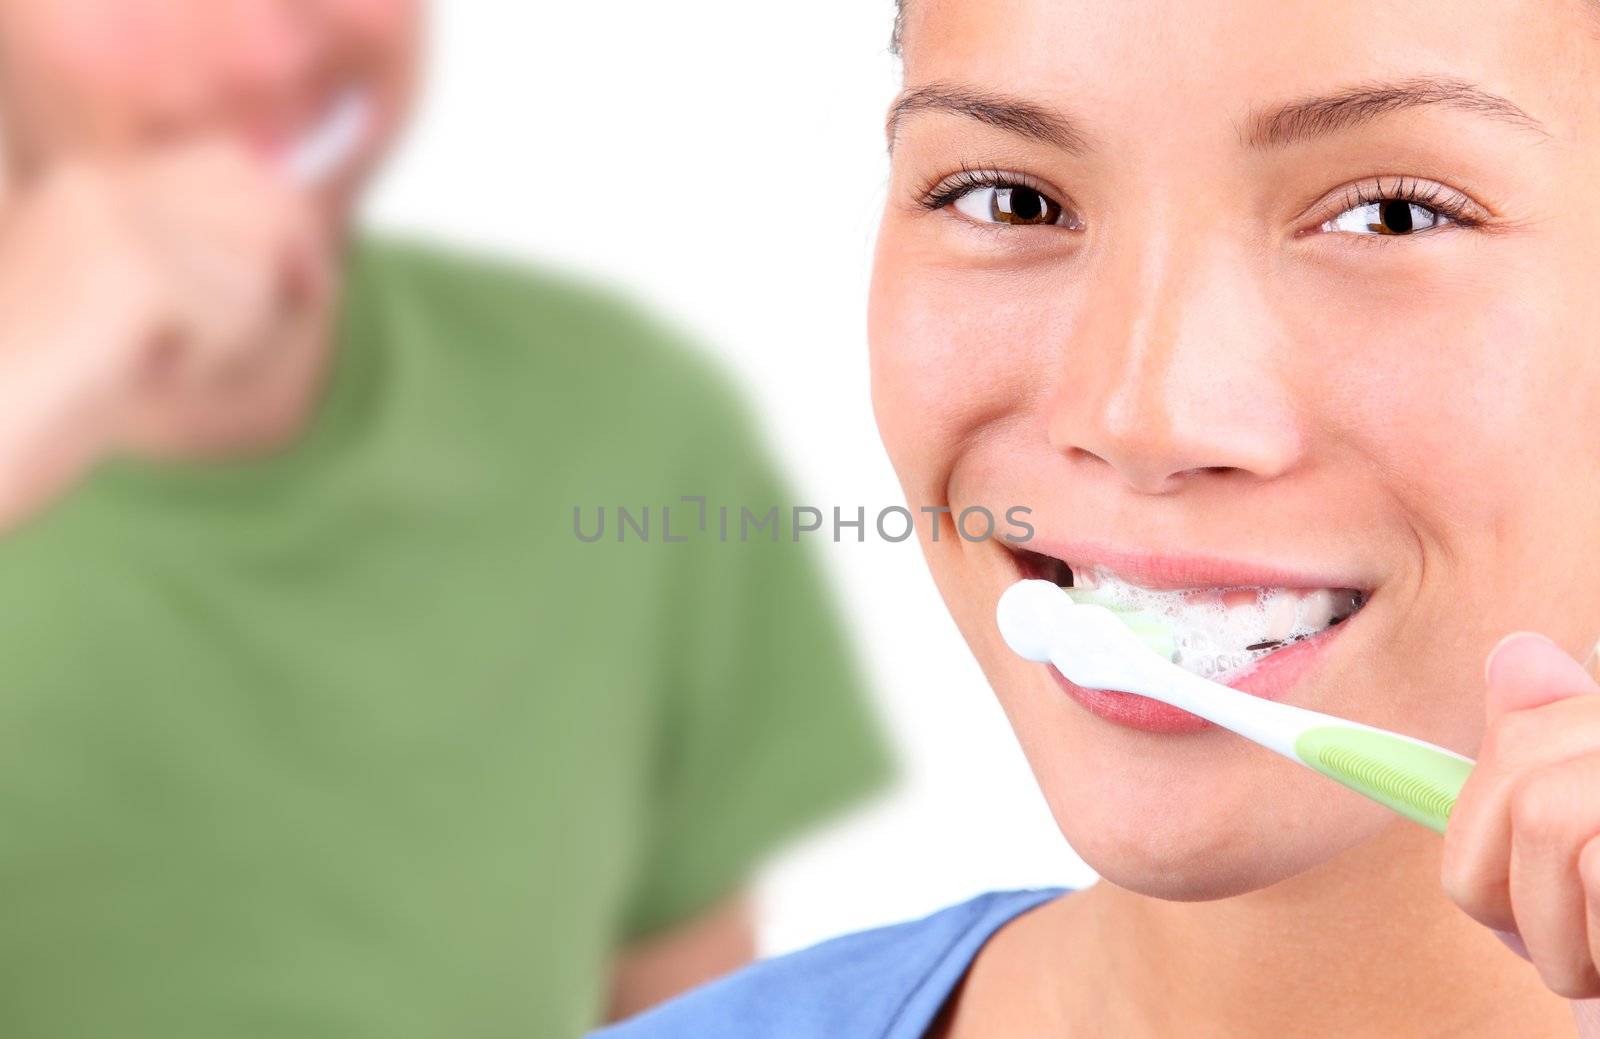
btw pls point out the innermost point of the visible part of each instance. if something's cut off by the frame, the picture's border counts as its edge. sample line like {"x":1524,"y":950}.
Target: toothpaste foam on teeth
{"x":1211,"y":632}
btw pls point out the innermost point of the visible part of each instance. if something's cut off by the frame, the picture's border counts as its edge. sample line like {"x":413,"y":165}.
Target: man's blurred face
{"x":105,"y":77}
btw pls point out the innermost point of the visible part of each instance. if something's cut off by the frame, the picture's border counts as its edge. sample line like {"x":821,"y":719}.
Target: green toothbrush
{"x":1098,"y":648}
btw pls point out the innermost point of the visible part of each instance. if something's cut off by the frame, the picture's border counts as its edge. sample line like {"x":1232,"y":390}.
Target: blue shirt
{"x":888,"y":983}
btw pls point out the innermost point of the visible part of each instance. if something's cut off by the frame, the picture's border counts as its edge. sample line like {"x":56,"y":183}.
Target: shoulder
{"x":862,"y":984}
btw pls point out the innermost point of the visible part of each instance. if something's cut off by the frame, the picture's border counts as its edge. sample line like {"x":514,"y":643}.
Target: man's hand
{"x":1522,"y":851}
{"x":120,"y":274}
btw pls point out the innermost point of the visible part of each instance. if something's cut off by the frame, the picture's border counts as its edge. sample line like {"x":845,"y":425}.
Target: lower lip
{"x":1272,"y":677}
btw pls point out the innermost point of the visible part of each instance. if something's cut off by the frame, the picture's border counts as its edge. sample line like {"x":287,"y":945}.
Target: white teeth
{"x":1316,"y":609}
{"x":1282,"y":607}
{"x":1218,"y":631}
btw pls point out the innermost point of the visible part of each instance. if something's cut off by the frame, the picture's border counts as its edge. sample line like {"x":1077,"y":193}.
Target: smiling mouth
{"x":1220,"y":630}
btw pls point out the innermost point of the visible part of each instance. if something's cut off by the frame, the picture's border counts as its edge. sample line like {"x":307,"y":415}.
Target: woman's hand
{"x":1522,"y":852}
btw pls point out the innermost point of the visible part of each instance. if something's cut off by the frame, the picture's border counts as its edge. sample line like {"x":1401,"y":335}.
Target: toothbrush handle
{"x":1416,"y":779}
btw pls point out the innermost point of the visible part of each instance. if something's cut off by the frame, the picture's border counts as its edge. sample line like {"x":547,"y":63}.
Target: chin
{"x":1202,"y":863}
{"x":1168,"y":833}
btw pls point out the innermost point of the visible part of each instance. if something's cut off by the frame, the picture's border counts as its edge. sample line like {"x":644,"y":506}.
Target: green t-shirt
{"x":360,"y":739}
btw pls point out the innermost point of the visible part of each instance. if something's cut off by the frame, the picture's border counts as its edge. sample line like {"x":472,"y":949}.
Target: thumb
{"x":1526,"y":670}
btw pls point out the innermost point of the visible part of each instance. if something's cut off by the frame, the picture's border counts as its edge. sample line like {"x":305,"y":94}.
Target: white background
{"x":724,"y":161}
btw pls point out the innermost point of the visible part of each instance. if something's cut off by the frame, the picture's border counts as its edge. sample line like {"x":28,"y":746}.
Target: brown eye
{"x":1011,"y":204}
{"x":1023,"y":206}
{"x":1388,"y":216}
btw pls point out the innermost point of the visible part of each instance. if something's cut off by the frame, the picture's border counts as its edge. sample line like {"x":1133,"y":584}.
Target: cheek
{"x":1482,"y":410}
{"x":380,"y":39}
{"x":104,"y":45}
{"x":952,"y":355}
{"x":82,"y":70}
{"x":385,"y":29}
{"x":1479,"y":416}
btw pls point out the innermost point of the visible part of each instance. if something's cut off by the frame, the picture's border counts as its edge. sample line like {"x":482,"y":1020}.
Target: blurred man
{"x":316,"y":719}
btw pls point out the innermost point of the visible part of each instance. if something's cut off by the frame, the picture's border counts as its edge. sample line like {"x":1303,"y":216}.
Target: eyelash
{"x":1448,"y":202}
{"x":1460,"y":209}
{"x":945,"y":191}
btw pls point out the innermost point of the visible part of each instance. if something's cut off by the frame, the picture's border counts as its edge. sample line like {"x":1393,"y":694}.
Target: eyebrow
{"x":1302,"y":119}
{"x":1012,"y":114}
{"x":1281,"y":125}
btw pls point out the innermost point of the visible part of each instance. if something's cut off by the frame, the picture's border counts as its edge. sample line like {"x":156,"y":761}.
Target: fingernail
{"x":1488,"y":663}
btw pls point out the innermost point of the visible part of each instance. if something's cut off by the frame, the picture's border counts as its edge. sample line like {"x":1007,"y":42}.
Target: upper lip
{"x":1174,"y":571}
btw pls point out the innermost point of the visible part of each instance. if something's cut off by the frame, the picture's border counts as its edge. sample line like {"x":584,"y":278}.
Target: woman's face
{"x":112,"y":76}
{"x":1283,"y":294}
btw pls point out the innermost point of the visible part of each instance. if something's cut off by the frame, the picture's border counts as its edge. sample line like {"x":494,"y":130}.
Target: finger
{"x":1554,"y":814}
{"x":1476,"y":868}
{"x":303,"y":273}
{"x":307,"y":266}
{"x":244,"y":270}
{"x":1526,"y":669}
{"x":286,"y":236}
{"x":223,"y":302}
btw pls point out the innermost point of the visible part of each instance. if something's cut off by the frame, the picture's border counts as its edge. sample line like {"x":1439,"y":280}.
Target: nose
{"x":1175,"y":370}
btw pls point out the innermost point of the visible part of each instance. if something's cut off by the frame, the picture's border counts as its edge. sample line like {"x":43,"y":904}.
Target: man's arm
{"x":719,"y":940}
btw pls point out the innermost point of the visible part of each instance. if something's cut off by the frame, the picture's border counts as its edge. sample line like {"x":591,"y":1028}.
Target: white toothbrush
{"x":332,"y":142}
{"x":1093,"y":648}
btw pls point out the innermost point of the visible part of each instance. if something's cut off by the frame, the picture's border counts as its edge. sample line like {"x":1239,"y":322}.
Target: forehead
{"x":1189,"y":60}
